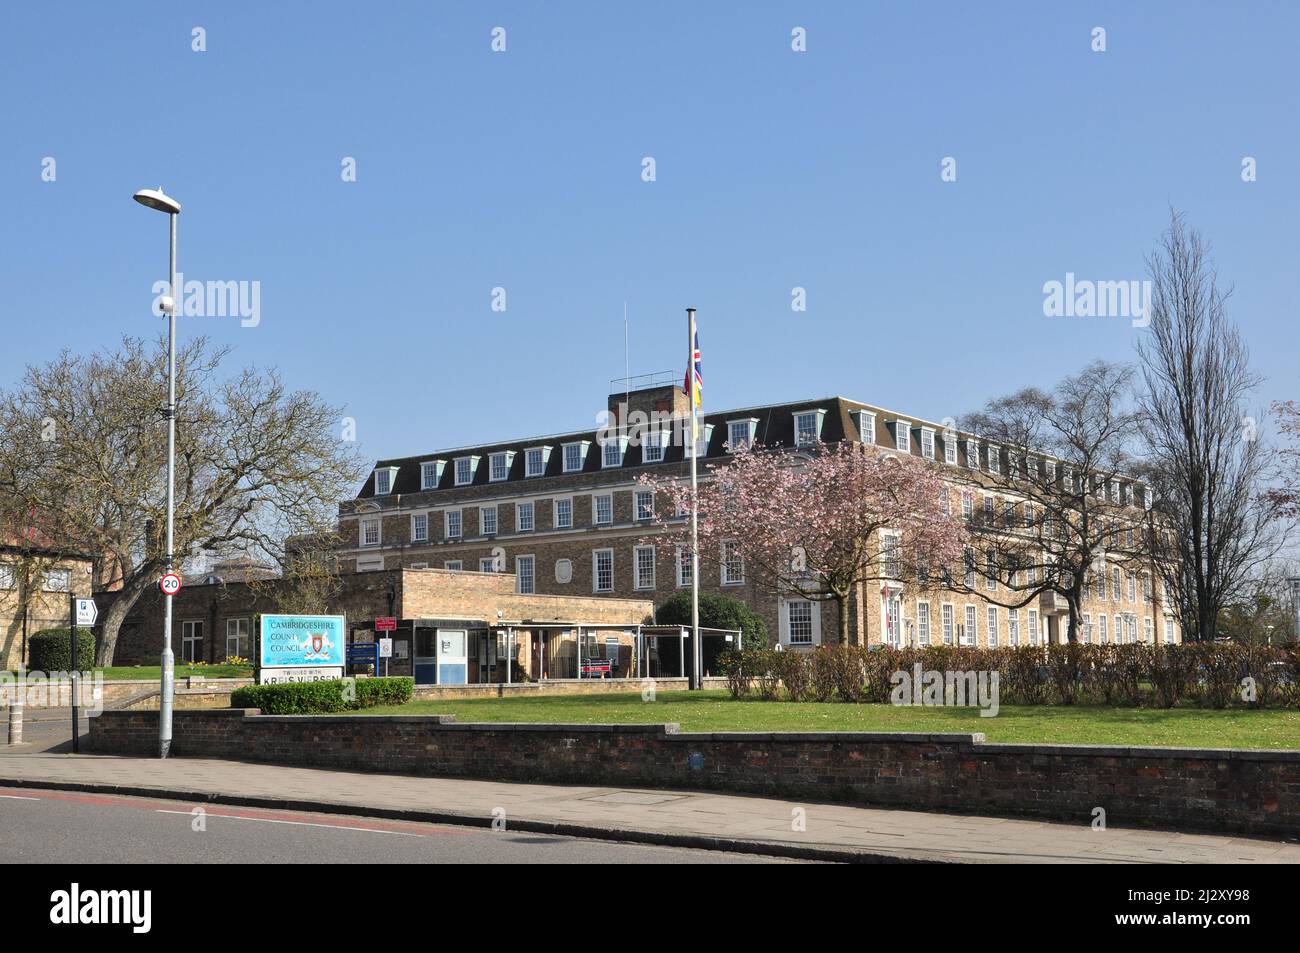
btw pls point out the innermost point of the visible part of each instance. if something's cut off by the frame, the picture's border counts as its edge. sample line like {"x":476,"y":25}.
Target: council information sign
{"x":302,"y":647}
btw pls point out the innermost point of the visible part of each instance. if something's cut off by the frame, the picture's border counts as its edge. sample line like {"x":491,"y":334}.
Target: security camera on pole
{"x":170,"y":582}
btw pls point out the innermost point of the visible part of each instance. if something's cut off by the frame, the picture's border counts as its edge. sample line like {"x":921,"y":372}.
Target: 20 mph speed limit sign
{"x":170,"y":584}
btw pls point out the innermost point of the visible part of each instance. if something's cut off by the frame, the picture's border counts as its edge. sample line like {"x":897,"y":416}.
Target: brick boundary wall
{"x":1254,"y":792}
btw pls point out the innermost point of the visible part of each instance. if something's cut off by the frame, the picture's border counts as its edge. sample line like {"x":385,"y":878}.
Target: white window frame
{"x":419,"y":527}
{"x":499,"y":466}
{"x":903,"y":436}
{"x":638,"y":497}
{"x":450,"y":517}
{"x":464,"y":470}
{"x":559,"y":502}
{"x":683,"y":565}
{"x":640,"y":581}
{"x":8,"y":578}
{"x":817,"y":416}
{"x":596,"y":572}
{"x":973,"y":454}
{"x":970,"y":634}
{"x":991,"y":627}
{"x":927,"y":442}
{"x":866,"y":421}
{"x":947,"y":622}
{"x":749,"y":423}
{"x":923,"y":622}
{"x":431,"y":474}
{"x":365,"y":521}
{"x":652,"y":446}
{"x":487,"y":564}
{"x":454,"y":565}
{"x":525,"y":506}
{"x":787,"y":623}
{"x":994,"y":460}
{"x":530,"y":561}
{"x":487,"y":520}
{"x":596,"y":500}
{"x":950,"y":446}
{"x":618,"y":446}
{"x":1031,"y":623}
{"x":577,"y":448}
{"x":725,"y":564}
{"x":49,"y":574}
{"x":391,"y":478}
{"x":188,"y":638}
{"x":1013,"y":627}
{"x":539,"y":456}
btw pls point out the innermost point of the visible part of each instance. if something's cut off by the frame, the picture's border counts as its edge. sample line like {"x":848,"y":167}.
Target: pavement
{"x":698,"y":820}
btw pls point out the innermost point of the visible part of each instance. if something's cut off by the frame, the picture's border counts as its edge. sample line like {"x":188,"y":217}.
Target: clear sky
{"x":522,"y":170}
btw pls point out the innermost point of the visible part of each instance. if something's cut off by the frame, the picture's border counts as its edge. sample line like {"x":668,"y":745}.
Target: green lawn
{"x":154,"y":672}
{"x":715,"y":711}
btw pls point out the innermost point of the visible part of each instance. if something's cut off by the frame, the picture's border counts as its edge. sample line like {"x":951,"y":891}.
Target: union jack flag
{"x":694,"y":392}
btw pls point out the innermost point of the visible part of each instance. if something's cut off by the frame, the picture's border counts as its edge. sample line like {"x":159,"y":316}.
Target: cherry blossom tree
{"x":818,"y":523}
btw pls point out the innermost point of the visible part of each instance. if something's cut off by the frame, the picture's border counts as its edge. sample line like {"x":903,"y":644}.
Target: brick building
{"x":34,"y":587}
{"x":565,"y":515}
{"x":452,"y":627}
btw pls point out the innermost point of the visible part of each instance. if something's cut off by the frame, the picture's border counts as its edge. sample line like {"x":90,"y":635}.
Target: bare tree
{"x":1206,"y":457}
{"x":255,"y":462}
{"x":1064,"y":511}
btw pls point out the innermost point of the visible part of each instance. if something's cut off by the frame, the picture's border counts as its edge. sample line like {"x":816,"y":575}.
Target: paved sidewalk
{"x":680,"y":818}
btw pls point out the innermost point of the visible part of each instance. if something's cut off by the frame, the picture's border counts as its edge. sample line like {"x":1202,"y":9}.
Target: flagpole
{"x":697,"y":656}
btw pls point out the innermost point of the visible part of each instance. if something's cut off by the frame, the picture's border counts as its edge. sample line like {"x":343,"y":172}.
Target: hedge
{"x":716,"y":612}
{"x":50,"y":650}
{"x":314,"y":698}
{"x":1161,"y":676}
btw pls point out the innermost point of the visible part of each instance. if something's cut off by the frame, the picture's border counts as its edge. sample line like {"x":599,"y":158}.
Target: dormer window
{"x":740,"y":434}
{"x":702,"y":444}
{"x":927,"y":442}
{"x":808,"y":427}
{"x":1146,"y":497}
{"x":994,"y":460}
{"x":652,"y":446}
{"x":535,"y":461}
{"x":903,"y":436}
{"x":575,"y":454}
{"x":384,"y":477}
{"x":499,"y":465}
{"x":950,"y":446}
{"x":866,"y":422}
{"x":973,"y":454}
{"x":612,"y":451}
{"x":431,"y":474}
{"x":465,"y":467}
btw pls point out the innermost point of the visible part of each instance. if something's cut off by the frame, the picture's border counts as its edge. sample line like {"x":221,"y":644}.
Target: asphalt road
{"x":66,"y":827}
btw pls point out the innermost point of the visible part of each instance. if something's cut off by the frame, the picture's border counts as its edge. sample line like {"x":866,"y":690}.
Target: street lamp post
{"x":155,"y":199}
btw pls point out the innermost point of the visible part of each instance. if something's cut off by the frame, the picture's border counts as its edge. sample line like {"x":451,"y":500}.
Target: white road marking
{"x":18,"y":797}
{"x":271,"y":820}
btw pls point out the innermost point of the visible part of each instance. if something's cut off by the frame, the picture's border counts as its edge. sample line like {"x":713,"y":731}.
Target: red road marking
{"x":221,"y":810}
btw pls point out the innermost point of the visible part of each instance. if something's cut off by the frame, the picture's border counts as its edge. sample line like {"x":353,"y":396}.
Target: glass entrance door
{"x":453,"y":660}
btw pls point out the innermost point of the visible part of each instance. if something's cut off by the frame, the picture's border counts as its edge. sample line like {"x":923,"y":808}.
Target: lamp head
{"x":156,"y":198}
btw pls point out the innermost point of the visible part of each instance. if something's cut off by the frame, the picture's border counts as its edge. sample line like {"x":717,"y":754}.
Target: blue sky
{"x":522,"y":170}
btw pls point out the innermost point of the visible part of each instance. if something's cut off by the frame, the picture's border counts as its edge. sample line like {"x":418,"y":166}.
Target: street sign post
{"x":386,"y":623}
{"x":81,"y":612}
{"x":386,"y":651}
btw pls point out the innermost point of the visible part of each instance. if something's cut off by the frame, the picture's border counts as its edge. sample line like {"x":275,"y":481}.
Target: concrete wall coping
{"x":975,"y":741}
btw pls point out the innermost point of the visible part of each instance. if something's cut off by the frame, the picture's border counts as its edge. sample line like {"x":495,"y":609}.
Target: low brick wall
{"x":1218,"y":790}
{"x":131,"y":692}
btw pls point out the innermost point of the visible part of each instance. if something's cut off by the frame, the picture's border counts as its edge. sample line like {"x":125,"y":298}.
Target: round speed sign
{"x":170,"y":584}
